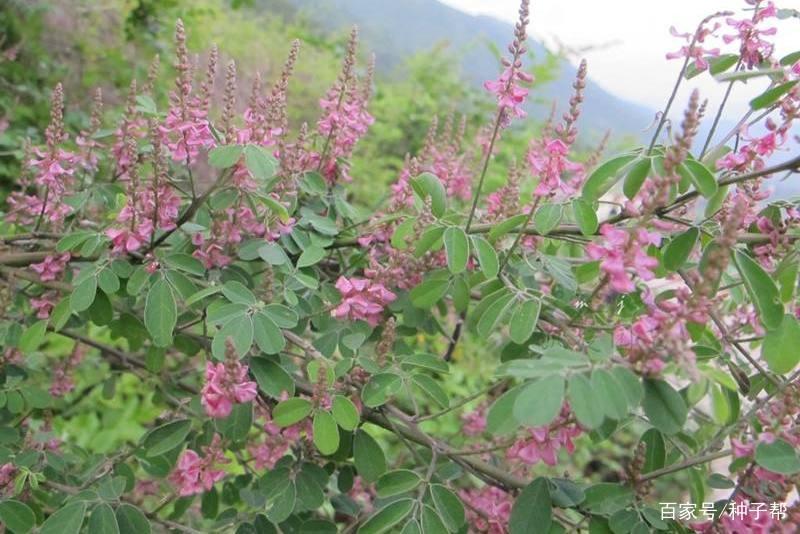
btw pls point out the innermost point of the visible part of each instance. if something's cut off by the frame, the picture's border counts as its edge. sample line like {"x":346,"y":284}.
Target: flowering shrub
{"x":290,"y":354}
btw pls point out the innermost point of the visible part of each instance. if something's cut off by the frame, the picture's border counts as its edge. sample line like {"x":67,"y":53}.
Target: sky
{"x":625,"y":41}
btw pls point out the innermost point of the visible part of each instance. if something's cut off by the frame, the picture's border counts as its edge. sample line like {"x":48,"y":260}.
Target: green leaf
{"x":561,"y":271}
{"x":326,"y":433}
{"x":778,"y":457}
{"x":272,"y":379}
{"x":225,"y":156}
{"x":108,"y":281}
{"x":17,"y":516}
{"x":429,"y":292}
{"x":722,"y":63}
{"x":745,"y":75}
{"x":607,"y":498}
{"x":679,"y":248}
{"x":380,"y":388}
{"x":281,"y":315}
{"x":605,"y":176}
{"x":32,"y":337}
{"x":268,"y":336}
{"x":487,"y":256}
{"x":368,"y":456}
{"x":238,"y":293}
{"x":282,"y":500}
{"x":449,"y":506}
{"x":500,"y":417}
{"x":609,"y":394}
{"x":540,"y":401}
{"x":310,"y":256}
{"x":221,"y":314}
{"x":425,"y":361}
{"x":260,"y":163}
{"x":654,"y":450}
{"x":110,"y":488}
{"x":166,"y":437}
{"x":635,"y":177}
{"x":160,"y":313}
{"x":73,"y":240}
{"x":770,"y":96}
{"x":585,"y":216}
{"x":664,"y":407}
{"x":456,"y":246}
{"x":345,"y":412}
{"x":314,"y":183}
{"x":432,"y":389}
{"x":67,"y":520}
{"x":237,"y":425}
{"x":702,"y":178}
{"x":277,"y":208}
{"x":583,"y":401}
{"x":291,"y":411}
{"x":503,"y":227}
{"x":547,"y":218}
{"x":762,"y":290}
{"x":532,"y":512}
{"x":782,"y":346}
{"x":83,"y":294}
{"x":387,"y":517}
{"x":493,"y":313}
{"x":431,"y":523}
{"x":716,"y":201}
{"x":102,"y":520}
{"x":240,"y":331}
{"x":131,"y":520}
{"x":523,"y":320}
{"x":630,"y":384}
{"x":184,"y":262}
{"x":428,"y":185}
{"x":427,"y":240}
{"x":396,"y":482}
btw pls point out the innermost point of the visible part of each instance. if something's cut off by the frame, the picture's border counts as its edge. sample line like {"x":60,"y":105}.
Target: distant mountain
{"x":397,"y":28}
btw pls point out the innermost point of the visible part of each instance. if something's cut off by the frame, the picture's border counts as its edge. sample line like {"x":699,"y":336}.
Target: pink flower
{"x":51,"y":267}
{"x":542,"y":443}
{"x":510,"y":95}
{"x":753,"y":48}
{"x":362,"y":300}
{"x":194,"y":474}
{"x":474,"y":422}
{"x":695,"y":51}
{"x":622,"y":251}
{"x":226,"y":384}
{"x":494,"y":506}
{"x":44,"y":305}
{"x":548,"y":161}
{"x":7,"y":473}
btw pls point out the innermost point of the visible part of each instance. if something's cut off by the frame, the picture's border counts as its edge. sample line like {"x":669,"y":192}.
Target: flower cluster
{"x":277,"y":441}
{"x":621,"y":252}
{"x":53,"y":170}
{"x":194,"y":474}
{"x":362,"y":300}
{"x":510,"y":94}
{"x":63,"y":383}
{"x":754,"y":49}
{"x":226,"y":384}
{"x":8,"y":472}
{"x":488,"y":509}
{"x":345,"y":118}
{"x":695,"y":49}
{"x":186,"y":129}
{"x":541,"y":444}
{"x":51,"y":267}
